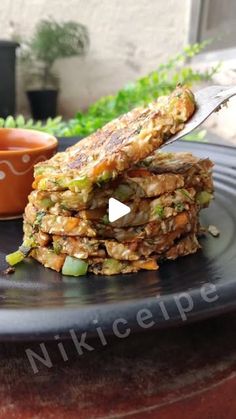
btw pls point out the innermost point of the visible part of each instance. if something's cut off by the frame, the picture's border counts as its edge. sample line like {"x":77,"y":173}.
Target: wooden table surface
{"x":186,"y":372}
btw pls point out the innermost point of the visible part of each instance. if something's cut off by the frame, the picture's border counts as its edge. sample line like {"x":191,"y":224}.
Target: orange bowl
{"x":20,"y":150}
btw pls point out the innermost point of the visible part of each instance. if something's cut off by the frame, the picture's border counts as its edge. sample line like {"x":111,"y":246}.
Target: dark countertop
{"x":186,"y":372}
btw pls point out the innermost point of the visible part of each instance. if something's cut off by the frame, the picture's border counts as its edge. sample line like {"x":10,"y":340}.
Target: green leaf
{"x":20,"y":121}
{"x":10,"y":122}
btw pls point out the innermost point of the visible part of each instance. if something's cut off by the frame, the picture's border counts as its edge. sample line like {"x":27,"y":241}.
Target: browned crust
{"x":185,"y":246}
{"x":124,"y":141}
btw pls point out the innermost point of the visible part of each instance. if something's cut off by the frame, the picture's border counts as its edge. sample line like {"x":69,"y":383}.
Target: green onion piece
{"x":62,"y":182}
{"x":111,"y":266}
{"x":28,"y":243}
{"x":159,"y":210}
{"x":42,"y":185}
{"x":105,"y":177}
{"x":74,"y":267}
{"x":41,"y":170}
{"x":186,"y":194}
{"x":57,"y":247}
{"x":15,"y":257}
{"x":46,"y":203}
{"x":204,"y":198}
{"x":39,"y":217}
{"x":79,"y":183}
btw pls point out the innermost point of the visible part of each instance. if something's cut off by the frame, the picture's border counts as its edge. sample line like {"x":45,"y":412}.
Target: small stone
{"x":10,"y":270}
{"x":213,"y":230}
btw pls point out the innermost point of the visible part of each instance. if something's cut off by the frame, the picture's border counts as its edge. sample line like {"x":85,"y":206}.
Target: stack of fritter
{"x":66,"y":222}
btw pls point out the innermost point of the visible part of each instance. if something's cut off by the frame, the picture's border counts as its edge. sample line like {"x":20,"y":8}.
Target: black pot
{"x":43,"y":103}
{"x":7,"y":78}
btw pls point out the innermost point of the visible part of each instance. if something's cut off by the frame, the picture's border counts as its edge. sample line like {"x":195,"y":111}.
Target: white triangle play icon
{"x":116,"y":210}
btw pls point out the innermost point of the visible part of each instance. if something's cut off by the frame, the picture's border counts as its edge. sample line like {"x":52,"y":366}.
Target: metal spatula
{"x":208,"y":100}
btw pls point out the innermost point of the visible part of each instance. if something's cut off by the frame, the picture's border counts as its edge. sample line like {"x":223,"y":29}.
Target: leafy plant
{"x":52,"y":40}
{"x":51,"y":125}
{"x":141,"y":92}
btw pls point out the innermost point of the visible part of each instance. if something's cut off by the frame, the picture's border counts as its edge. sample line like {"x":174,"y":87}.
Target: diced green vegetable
{"x":39,"y":217}
{"x":64,"y":206}
{"x":159,"y":210}
{"x":204,"y":198}
{"x":15,"y":257}
{"x":42,"y":170}
{"x":111,"y":266}
{"x":57,"y":247}
{"x":79,"y":183}
{"x":42,"y":185}
{"x":62,"y":182}
{"x":28,"y":243}
{"x":105,"y":177}
{"x":46,"y":203}
{"x":123,"y":192}
{"x":186,"y":194}
{"x":74,"y":267}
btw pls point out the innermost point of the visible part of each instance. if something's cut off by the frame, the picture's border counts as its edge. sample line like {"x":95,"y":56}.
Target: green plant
{"x":51,"y":41}
{"x":141,"y":92}
{"x":51,"y":125}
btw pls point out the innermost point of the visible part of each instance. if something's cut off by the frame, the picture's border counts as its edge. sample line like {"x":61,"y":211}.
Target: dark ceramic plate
{"x":39,"y":303}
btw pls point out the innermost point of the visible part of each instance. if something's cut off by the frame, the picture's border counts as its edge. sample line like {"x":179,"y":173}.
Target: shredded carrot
{"x":57,"y":262}
{"x":71,"y":223}
{"x":100,"y":168}
{"x":36,"y":181}
{"x":150,"y":265}
{"x":181,"y":219}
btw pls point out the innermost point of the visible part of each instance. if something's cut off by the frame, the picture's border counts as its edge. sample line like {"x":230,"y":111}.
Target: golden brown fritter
{"x":110,"y":266}
{"x":159,"y":174}
{"x":117,"y":146}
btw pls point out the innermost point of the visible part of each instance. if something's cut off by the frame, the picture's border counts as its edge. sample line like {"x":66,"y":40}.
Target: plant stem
{"x":46,"y":73}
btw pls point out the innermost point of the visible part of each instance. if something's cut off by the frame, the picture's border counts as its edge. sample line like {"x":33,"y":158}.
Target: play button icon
{"x":116,"y":210}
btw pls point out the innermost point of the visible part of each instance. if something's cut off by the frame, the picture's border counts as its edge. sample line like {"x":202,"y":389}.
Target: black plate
{"x":39,"y":303}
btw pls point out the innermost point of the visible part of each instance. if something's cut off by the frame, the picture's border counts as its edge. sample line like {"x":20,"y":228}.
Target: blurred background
{"x":72,"y":54}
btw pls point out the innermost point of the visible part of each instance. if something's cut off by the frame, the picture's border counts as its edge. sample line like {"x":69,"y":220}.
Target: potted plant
{"x":51,"y":40}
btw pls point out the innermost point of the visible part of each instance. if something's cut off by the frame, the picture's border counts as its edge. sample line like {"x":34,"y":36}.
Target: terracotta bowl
{"x":20,"y":150}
